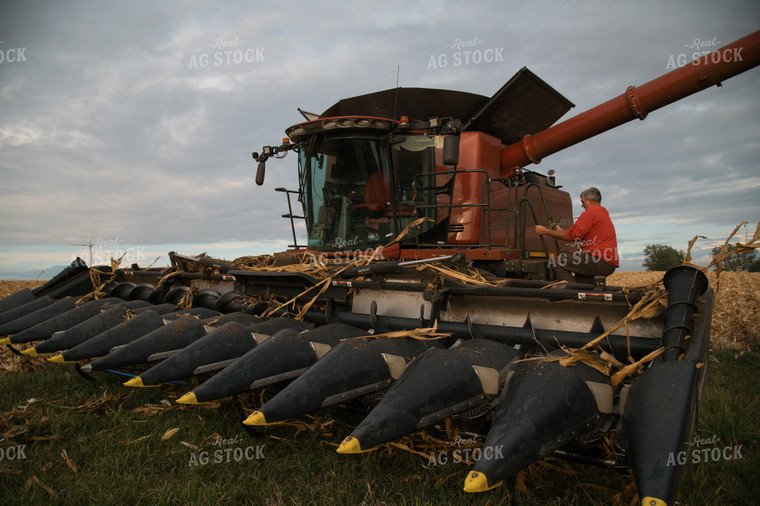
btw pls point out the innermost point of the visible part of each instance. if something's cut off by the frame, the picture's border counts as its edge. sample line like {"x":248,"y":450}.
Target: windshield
{"x":359,"y":192}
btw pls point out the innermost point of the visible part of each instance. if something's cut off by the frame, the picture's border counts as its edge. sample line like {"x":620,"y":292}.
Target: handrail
{"x":292,"y":217}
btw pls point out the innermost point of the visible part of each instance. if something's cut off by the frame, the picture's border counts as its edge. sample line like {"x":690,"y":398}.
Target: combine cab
{"x":422,"y":290}
{"x":366,"y":178}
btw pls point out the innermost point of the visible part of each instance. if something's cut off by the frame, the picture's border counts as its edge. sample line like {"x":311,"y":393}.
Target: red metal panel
{"x":477,"y":151}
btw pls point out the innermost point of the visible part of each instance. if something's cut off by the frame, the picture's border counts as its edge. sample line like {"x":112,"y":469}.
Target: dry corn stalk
{"x":34,"y":480}
{"x":169,"y":433}
{"x":186,"y":302}
{"x":69,"y":463}
{"x":415,"y":224}
{"x":726,"y":251}
{"x":167,"y":277}
{"x":649,"y":306}
{"x":420,"y":334}
{"x":325,"y":283}
{"x":632,"y":368}
{"x":473,"y":277}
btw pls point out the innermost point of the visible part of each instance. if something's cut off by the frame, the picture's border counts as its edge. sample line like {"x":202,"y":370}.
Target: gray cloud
{"x":108,"y":126}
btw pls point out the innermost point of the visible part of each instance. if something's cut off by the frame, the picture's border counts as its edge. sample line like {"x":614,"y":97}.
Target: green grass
{"x":731,"y":415}
{"x":112,"y":435}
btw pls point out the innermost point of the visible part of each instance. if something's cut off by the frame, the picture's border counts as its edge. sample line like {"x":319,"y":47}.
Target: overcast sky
{"x":128,"y":124}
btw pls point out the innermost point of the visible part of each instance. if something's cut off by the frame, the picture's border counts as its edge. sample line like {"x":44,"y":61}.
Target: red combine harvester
{"x":420,"y":217}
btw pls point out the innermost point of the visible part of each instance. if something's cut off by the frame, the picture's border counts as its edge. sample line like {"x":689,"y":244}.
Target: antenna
{"x":89,"y":245}
{"x":395,"y":97}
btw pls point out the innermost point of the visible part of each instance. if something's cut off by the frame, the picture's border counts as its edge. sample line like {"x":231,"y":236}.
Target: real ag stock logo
{"x":227,"y":451}
{"x":15,"y":452}
{"x":700,"y":48}
{"x":102,"y":251}
{"x":704,"y":450}
{"x":465,"y":451}
{"x":466,"y":52}
{"x":226,"y":52}
{"x":11,"y":54}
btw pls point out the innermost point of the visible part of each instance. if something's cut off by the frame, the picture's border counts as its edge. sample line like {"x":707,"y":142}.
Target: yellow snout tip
{"x":478,"y":482}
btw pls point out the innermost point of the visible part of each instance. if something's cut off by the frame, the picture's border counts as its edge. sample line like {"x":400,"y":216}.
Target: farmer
{"x":595,"y":232}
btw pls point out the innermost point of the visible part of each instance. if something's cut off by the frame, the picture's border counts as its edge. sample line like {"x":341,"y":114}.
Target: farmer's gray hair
{"x":592,"y":194}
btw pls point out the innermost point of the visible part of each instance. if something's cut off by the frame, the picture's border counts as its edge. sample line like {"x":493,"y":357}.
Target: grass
{"x":99,"y":442}
{"x":731,"y":416}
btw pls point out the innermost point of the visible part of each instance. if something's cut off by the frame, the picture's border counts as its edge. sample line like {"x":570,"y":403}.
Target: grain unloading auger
{"x":442,"y":195}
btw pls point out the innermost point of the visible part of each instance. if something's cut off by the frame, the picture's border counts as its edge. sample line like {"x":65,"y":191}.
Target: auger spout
{"x":684,"y":285}
{"x":662,"y":407}
{"x":636,"y":102}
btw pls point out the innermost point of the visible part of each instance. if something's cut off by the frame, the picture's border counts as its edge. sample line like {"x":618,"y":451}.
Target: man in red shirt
{"x":594,"y":230}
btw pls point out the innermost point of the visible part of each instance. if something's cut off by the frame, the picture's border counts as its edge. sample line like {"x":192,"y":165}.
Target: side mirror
{"x":451,"y":150}
{"x":260,"y":173}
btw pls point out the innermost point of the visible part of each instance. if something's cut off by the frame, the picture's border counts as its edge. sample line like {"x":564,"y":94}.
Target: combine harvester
{"x":423,"y":285}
